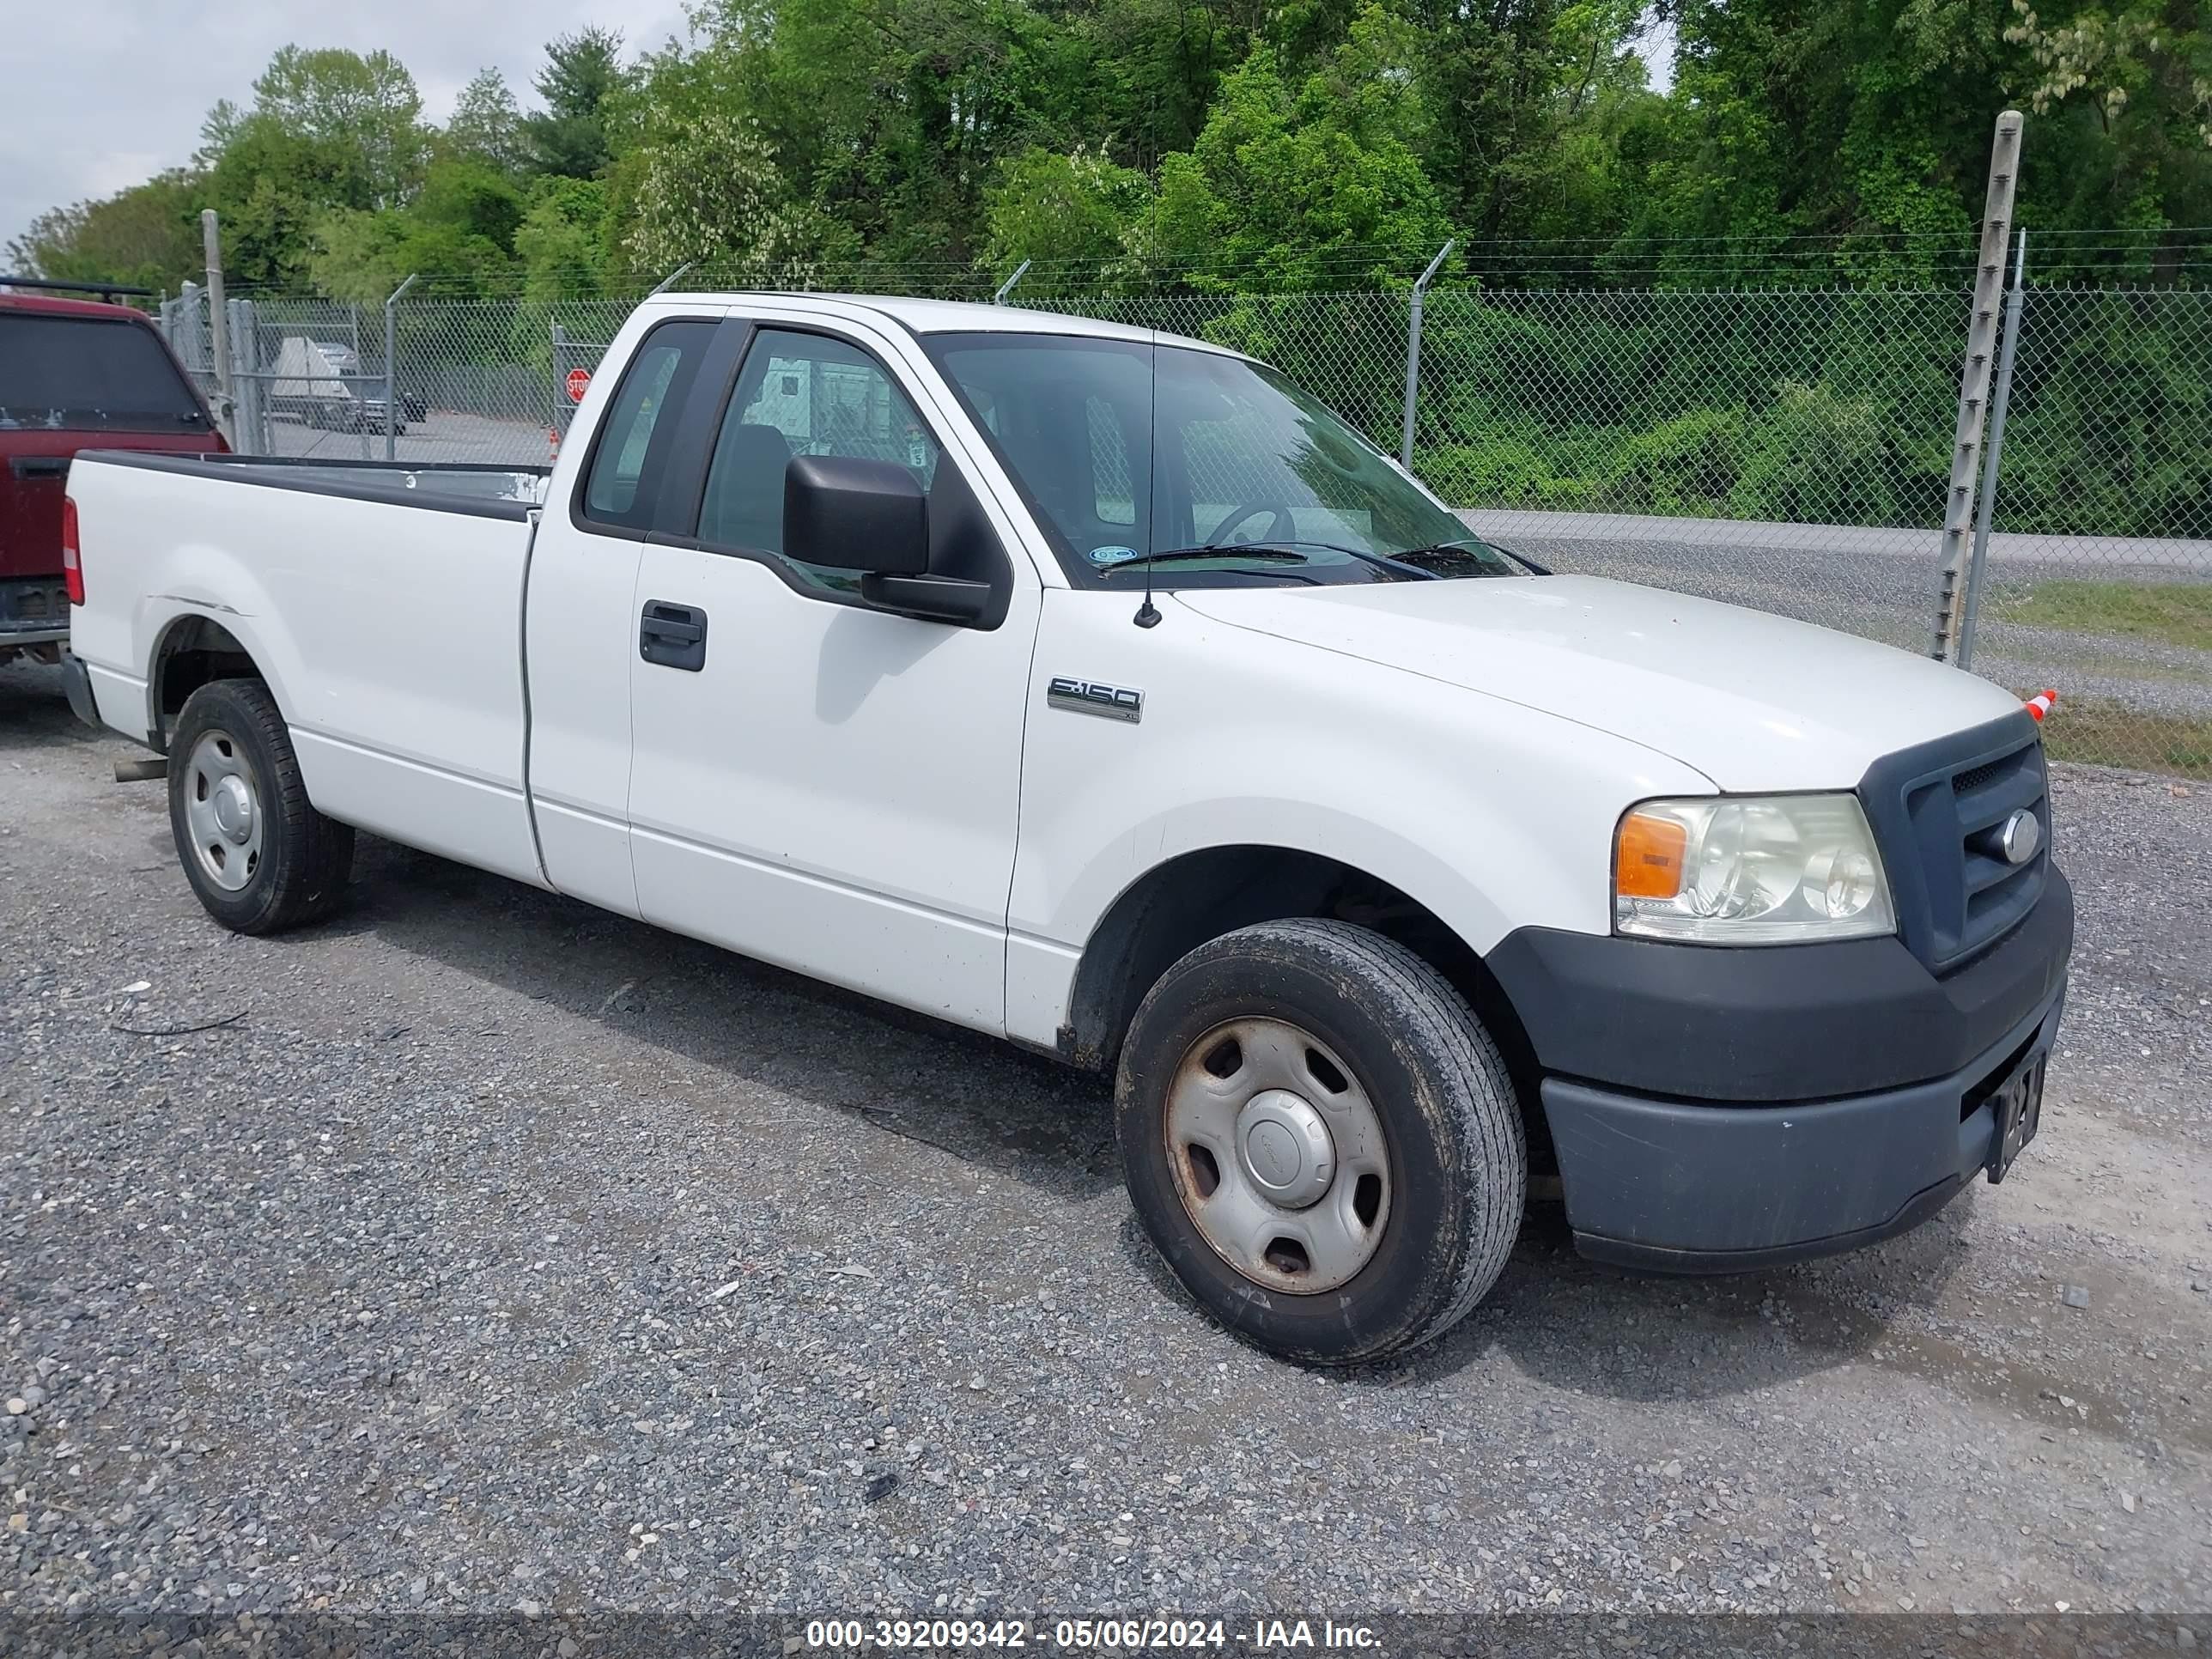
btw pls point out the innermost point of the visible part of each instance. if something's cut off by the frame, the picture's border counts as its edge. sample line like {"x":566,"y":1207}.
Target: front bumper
{"x":1717,"y":1109}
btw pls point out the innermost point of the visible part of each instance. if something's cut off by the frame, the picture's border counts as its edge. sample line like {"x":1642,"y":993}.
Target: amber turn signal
{"x":1647,"y":857}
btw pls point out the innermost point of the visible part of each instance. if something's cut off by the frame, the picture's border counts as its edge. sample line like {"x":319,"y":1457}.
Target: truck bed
{"x":382,"y":602}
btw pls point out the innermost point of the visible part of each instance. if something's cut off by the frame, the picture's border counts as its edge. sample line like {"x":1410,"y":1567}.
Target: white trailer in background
{"x":318,"y":382}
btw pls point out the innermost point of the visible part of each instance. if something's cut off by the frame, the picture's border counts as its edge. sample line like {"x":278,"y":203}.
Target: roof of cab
{"x":967,"y":317}
{"x":13,"y":301}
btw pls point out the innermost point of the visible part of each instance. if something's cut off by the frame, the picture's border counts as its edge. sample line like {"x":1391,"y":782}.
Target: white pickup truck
{"x":1101,"y":690}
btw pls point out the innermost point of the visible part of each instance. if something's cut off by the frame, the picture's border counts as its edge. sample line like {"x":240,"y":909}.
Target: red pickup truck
{"x":73,"y":375}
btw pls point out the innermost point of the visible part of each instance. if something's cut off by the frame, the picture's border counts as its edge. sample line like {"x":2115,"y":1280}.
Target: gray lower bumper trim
{"x":1688,"y":1187}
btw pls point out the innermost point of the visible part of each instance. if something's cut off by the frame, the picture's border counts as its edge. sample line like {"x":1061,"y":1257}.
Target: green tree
{"x":1870,"y":120}
{"x":333,"y":98}
{"x":328,"y":131}
{"x":712,"y":194}
{"x":583,"y":74}
{"x":2127,"y":91}
{"x":486,"y":125}
{"x":147,"y":236}
{"x":1319,"y":186}
{"x":1073,"y":215}
{"x":562,"y":242}
{"x":458,"y":235}
{"x":1535,"y":106}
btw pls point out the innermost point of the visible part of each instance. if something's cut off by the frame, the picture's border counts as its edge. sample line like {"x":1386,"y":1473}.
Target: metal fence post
{"x":391,"y":367}
{"x":218,"y":343}
{"x":1413,"y":354}
{"x":185,"y":329}
{"x":1007,"y":287}
{"x":2000,"y":400}
{"x":1974,"y":386}
{"x":252,"y":436}
{"x":557,"y":426}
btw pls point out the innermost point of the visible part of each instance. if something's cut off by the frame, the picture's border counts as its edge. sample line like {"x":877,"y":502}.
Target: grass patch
{"x":2180,"y":613}
{"x":2111,"y":734}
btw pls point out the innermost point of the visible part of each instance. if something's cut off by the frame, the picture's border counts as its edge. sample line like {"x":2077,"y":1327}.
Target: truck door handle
{"x":672,"y":636}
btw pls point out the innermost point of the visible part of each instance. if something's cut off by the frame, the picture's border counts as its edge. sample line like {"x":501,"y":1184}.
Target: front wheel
{"x":1322,"y":1141}
{"x":256,"y":853}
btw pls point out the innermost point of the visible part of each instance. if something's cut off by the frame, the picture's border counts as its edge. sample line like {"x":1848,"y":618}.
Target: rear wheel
{"x":258,"y":853}
{"x":1322,"y":1140}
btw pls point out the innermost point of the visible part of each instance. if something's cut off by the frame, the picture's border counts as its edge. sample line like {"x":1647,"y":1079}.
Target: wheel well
{"x":194,"y":651}
{"x":1178,"y":906}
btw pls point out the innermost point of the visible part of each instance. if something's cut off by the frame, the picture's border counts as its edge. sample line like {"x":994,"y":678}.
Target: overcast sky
{"x":102,"y":93}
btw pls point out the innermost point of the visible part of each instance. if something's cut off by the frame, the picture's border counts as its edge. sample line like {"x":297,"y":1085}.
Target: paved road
{"x":497,"y":1250}
{"x":445,"y":436}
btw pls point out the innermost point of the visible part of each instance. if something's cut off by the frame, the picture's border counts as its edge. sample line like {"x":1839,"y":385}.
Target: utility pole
{"x":218,"y":326}
{"x":1974,"y":387}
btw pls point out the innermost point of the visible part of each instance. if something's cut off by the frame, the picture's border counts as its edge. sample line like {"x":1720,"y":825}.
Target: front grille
{"x":1939,"y":811}
{"x":1968,"y":781}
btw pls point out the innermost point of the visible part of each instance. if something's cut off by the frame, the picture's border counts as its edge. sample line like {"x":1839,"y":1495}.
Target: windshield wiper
{"x":1262,"y":556}
{"x":1148,"y":614}
{"x":1380,"y":561}
{"x":1436,"y":548}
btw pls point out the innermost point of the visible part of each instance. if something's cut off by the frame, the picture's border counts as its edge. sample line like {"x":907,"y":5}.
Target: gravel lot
{"x":497,"y":1251}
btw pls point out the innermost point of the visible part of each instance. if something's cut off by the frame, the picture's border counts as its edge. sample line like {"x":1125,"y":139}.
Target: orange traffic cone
{"x":2041,"y":706}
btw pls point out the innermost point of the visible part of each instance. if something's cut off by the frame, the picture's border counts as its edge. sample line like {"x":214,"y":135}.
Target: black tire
{"x":304,"y":859}
{"x":1457,"y":1153}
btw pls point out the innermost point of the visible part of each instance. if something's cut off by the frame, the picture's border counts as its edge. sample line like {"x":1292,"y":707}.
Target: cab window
{"x":630,"y":454}
{"x":803,"y":394}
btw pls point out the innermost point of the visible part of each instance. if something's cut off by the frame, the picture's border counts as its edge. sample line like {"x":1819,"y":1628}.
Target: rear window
{"x":87,"y":372}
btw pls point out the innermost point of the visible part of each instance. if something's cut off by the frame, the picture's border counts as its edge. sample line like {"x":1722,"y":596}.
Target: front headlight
{"x":1779,"y":870}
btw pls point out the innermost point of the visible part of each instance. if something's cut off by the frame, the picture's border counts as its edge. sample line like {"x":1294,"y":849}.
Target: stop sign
{"x":580,"y":382}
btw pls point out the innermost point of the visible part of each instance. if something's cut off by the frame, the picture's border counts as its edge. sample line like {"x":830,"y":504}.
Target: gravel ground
{"x":497,"y":1251}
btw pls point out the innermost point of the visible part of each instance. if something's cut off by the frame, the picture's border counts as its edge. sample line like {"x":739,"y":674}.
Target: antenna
{"x":1148,"y":614}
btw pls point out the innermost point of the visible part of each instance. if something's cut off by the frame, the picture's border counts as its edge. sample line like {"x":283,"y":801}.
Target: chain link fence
{"x":2099,"y":571}
{"x":1787,"y":449}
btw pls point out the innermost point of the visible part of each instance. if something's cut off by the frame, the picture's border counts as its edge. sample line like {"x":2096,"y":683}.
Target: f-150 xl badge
{"x":1115,"y":702}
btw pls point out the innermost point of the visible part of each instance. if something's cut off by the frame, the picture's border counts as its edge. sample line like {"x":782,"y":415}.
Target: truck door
{"x":814,"y":781}
{"x":580,"y":625}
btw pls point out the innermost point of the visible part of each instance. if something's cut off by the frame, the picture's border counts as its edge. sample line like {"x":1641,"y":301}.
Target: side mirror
{"x":851,"y":513}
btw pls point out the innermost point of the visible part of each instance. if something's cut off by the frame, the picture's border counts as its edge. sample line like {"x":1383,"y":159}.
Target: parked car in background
{"x":413,"y":408}
{"x":73,"y":374}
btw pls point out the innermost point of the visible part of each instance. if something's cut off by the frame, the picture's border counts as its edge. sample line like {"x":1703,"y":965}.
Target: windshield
{"x":1124,"y":449}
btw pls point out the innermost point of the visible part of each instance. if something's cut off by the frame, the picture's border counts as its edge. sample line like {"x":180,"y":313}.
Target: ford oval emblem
{"x":2023,"y":834}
